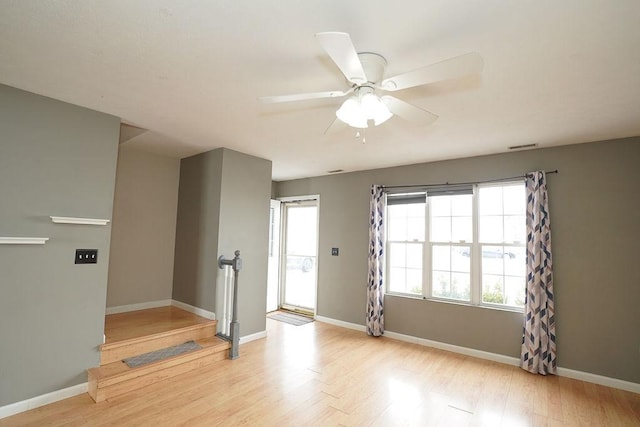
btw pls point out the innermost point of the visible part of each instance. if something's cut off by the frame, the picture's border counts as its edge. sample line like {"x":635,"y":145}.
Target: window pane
{"x":460,"y":286}
{"x":515,"y":263}
{"x":460,"y":259}
{"x":462,"y":229}
{"x":397,"y":279}
{"x":441,"y":286}
{"x":397,"y":255}
{"x":515,"y":228}
{"x":440,"y":206}
{"x":415,"y":229}
{"x":441,"y":229}
{"x":415,"y":210}
{"x":414,"y":256}
{"x":491,"y":229}
{"x":490,"y":199}
{"x":514,"y":291}
{"x":462,"y":205}
{"x":414,"y":281}
{"x":492,"y":260}
{"x":440,"y":256}
{"x":514,"y":200}
{"x":397,"y":227}
{"x":492,"y":289}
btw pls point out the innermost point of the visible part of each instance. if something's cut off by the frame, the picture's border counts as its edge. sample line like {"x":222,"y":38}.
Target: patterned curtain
{"x":538,"y":353}
{"x":375,"y":286}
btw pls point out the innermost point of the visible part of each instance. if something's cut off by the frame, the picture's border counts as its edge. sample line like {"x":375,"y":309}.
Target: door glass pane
{"x":301,"y":244}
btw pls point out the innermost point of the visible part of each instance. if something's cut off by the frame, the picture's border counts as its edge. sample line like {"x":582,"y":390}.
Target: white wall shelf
{"x":81,"y":221}
{"x":23,"y":240}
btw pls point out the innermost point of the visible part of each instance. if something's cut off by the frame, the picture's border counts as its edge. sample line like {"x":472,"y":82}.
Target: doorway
{"x":299,"y":255}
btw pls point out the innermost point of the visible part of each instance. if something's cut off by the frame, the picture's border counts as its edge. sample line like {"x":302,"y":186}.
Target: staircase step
{"x":116,"y":378}
{"x":118,"y":350}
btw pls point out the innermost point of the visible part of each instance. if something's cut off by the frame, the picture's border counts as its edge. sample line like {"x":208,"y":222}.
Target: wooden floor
{"x":318,"y":374}
{"x":123,"y":326}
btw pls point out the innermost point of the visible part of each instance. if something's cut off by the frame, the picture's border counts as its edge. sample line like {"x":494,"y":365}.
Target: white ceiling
{"x":556,"y":72}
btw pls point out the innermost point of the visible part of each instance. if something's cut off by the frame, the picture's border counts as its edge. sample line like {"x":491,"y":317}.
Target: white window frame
{"x":475,"y":257}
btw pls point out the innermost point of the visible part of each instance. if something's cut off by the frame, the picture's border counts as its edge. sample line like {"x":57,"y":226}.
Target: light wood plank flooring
{"x":123,"y":326}
{"x":318,"y":374}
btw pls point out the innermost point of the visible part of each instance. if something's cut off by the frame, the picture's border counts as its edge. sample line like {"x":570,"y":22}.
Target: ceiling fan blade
{"x":340,"y":48}
{"x":304,"y":96}
{"x":408,"y":111}
{"x":459,"y":66}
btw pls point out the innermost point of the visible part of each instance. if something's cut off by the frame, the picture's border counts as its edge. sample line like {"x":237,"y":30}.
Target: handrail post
{"x":234,"y":326}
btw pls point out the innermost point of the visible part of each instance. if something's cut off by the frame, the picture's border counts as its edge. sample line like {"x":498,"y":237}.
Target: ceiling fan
{"x":365,"y":73}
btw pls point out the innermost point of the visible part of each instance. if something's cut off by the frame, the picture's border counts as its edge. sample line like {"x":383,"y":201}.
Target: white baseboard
{"x":45,"y":399}
{"x":340,"y":323}
{"x":139,"y":306}
{"x":253,"y":337}
{"x":195,"y":310}
{"x":500,"y":358}
{"x":599,"y":379}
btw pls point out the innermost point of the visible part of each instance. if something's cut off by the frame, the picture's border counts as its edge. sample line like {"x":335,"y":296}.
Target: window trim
{"x":475,"y":273}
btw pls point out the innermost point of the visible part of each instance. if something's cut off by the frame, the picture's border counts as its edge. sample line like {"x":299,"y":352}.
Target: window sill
{"x":456,"y":302}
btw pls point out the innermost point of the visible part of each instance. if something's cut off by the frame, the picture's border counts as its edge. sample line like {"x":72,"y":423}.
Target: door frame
{"x":275,"y":233}
{"x":283,"y":259}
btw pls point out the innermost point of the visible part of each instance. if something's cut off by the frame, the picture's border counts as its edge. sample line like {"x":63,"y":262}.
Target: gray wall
{"x":594,"y":204}
{"x":143,"y":228}
{"x":55,"y":159}
{"x":223,"y":205}
{"x":195,"y":267}
{"x":244,"y":225}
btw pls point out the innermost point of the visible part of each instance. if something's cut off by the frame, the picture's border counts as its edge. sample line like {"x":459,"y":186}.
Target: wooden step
{"x":116,"y":378}
{"x":119,"y":350}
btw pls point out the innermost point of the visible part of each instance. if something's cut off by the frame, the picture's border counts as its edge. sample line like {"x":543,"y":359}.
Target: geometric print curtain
{"x":375,"y":284}
{"x":538,"y":353}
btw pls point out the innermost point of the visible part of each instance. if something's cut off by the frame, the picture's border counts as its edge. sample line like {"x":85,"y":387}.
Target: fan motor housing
{"x":373,"y":66}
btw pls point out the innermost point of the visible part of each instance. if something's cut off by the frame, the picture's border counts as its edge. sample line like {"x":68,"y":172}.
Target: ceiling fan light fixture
{"x":374,"y":109}
{"x":352,"y":114}
{"x":358,"y":110}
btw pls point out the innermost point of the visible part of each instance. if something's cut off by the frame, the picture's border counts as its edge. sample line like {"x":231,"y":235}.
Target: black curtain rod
{"x":463,"y":183}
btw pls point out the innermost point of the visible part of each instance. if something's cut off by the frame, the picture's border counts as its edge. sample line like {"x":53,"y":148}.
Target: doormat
{"x":290,"y":318}
{"x":165,"y":353}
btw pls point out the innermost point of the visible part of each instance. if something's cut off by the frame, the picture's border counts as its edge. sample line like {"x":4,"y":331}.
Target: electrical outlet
{"x":335,"y":251}
{"x":86,"y":256}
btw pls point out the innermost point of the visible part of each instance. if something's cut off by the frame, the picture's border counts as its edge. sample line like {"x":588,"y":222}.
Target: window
{"x":459,"y":243}
{"x":405,"y":242}
{"x":502,"y":229}
{"x":451,"y":235}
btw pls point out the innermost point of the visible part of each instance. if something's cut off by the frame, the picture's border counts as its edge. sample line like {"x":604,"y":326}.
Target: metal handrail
{"x":234,"y":326}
